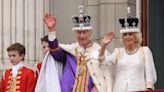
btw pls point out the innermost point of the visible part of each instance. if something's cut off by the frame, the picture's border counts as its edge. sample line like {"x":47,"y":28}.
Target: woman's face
{"x":129,"y":38}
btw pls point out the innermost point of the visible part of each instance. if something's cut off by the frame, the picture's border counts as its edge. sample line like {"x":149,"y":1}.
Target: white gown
{"x":133,"y":72}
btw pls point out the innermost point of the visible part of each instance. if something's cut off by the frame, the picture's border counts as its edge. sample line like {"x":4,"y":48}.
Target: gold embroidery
{"x":18,"y":77}
{"x":81,"y":81}
{"x":8,"y":87}
{"x":81,"y":64}
{"x":17,"y":82}
{"x":17,"y":87}
{"x":13,"y":82}
{"x":9,"y":82}
{"x":20,"y":72}
{"x":9,"y":77}
{"x":12,"y":86}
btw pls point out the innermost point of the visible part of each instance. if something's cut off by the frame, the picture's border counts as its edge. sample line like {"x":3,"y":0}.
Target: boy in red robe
{"x":18,"y":78}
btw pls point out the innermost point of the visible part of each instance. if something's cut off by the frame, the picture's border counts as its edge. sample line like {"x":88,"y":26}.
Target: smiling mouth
{"x":128,"y":40}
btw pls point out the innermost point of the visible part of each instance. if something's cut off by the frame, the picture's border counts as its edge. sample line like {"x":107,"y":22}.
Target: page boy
{"x":18,"y":78}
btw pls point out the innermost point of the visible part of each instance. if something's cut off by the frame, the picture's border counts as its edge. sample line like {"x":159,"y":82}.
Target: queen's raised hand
{"x":108,"y":38}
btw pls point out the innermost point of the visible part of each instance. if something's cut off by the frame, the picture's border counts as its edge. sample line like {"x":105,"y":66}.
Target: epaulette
{"x":119,"y":53}
{"x":3,"y":74}
{"x":36,"y":68}
{"x":141,"y":49}
{"x":31,"y":68}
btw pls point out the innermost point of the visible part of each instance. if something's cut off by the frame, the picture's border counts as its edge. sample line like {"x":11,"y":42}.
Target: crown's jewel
{"x":129,"y":24}
{"x":81,"y":21}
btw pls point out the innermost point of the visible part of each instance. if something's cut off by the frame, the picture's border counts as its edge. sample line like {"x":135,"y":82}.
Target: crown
{"x":129,"y":24}
{"x":81,"y":21}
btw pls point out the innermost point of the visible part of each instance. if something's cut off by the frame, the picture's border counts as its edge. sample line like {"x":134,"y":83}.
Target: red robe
{"x":24,"y":82}
{"x":38,"y":66}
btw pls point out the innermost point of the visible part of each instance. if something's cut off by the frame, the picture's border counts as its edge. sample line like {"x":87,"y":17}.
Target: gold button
{"x":18,"y":77}
{"x":17,"y":87}
{"x":20,"y":72}
{"x":9,"y":82}
{"x":9,"y":77}
{"x":8,"y":87}
{"x":17,"y":82}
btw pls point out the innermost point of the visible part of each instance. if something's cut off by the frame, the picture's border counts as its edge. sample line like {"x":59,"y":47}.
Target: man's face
{"x":15,"y":57}
{"x":83,"y":37}
{"x":45,"y":47}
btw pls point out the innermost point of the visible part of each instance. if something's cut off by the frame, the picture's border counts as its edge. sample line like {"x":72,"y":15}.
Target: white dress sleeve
{"x":110,"y":59}
{"x":150,"y":72}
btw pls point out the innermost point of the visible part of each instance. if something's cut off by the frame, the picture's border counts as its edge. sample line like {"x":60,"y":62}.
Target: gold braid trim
{"x":82,"y":75}
{"x":54,"y":50}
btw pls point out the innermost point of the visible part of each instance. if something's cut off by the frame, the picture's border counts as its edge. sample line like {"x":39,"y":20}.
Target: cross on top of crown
{"x":129,"y":11}
{"x":81,"y":9}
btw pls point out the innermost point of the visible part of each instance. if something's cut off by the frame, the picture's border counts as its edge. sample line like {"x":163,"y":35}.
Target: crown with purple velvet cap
{"x":129,"y":24}
{"x":81,"y":21}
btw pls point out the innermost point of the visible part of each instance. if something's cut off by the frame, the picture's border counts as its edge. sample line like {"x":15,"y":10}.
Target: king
{"x":81,"y":71}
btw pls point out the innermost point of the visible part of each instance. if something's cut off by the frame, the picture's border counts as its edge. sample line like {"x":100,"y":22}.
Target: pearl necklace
{"x":131,"y":52}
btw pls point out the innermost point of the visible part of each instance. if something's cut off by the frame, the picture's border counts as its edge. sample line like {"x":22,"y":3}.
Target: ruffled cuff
{"x":150,"y":85}
{"x":52,"y":36}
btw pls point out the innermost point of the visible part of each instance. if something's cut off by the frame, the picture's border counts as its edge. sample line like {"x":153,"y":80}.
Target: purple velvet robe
{"x":68,"y":78}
